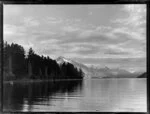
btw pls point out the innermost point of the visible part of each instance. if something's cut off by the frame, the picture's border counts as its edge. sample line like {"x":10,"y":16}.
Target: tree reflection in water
{"x":18,"y":94}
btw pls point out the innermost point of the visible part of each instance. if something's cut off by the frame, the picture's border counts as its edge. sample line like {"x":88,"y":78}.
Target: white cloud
{"x":70,"y":29}
{"x":136,"y":15}
{"x":132,"y":25}
{"x":135,"y":8}
{"x":71,"y":21}
{"x":129,"y":33}
{"x":30,"y":22}
{"x":130,"y":52}
{"x":53,"y":20}
{"x":10,"y":30}
{"x":104,"y":28}
{"x":50,"y":41}
{"x":86,"y":33}
{"x":42,"y":33}
{"x":97,"y":31}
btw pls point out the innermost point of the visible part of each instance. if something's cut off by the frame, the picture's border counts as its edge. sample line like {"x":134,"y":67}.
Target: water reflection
{"x":30,"y":93}
{"x":102,"y":95}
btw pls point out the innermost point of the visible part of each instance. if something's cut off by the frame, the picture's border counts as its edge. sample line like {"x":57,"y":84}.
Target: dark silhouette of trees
{"x":71,"y":72}
{"x":17,"y":54}
{"x":34,"y":66}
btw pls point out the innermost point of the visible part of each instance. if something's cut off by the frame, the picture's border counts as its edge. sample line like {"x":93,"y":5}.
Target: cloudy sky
{"x":99,"y":35}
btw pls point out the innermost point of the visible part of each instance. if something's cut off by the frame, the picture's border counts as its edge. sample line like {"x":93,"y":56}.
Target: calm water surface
{"x":109,"y":95}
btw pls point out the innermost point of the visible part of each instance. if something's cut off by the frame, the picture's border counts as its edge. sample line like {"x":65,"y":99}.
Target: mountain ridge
{"x":143,"y":75}
{"x":60,"y":60}
{"x":98,"y":72}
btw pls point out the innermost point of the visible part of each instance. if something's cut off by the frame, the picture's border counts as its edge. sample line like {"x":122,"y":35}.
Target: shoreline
{"x":38,"y":80}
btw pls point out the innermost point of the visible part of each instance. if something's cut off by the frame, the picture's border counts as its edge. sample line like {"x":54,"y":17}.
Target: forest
{"x":18,"y":65}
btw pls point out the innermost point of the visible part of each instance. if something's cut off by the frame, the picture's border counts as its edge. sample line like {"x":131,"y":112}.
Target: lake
{"x":88,"y":95}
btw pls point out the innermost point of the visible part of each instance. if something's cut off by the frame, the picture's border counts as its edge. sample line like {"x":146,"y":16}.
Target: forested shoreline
{"x":18,"y":65}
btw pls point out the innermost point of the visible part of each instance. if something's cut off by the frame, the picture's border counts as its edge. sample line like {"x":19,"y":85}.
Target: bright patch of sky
{"x":100,"y":35}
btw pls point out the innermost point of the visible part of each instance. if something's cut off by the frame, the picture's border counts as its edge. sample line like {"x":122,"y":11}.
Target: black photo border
{"x":75,"y":2}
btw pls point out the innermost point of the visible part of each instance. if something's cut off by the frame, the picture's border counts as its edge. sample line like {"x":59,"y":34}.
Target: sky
{"x":95,"y":35}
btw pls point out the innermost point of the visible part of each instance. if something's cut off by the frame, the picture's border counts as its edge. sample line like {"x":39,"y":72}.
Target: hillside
{"x":144,"y":75}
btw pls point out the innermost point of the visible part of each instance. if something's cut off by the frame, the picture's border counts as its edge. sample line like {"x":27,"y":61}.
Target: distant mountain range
{"x":144,"y":75}
{"x":93,"y":72}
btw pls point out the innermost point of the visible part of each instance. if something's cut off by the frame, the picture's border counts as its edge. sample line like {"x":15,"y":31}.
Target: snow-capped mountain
{"x":61,"y":60}
{"x":94,"y":72}
{"x":120,"y":73}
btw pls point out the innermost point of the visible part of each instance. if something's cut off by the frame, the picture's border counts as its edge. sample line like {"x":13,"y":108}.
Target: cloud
{"x":93,"y":36}
{"x":134,"y":24}
{"x":86,"y":34}
{"x":49,"y":41}
{"x":53,"y":20}
{"x":82,"y":48}
{"x":87,"y":51}
{"x":130,"y":34}
{"x":70,"y":29}
{"x":97,"y":31}
{"x":136,"y":15}
{"x":116,"y":52}
{"x":30,"y":22}
{"x":132,"y":27}
{"x":124,"y":51}
{"x":92,"y":39}
{"x":108,"y":41}
{"x":42,"y":35}
{"x":72,"y":21}
{"x":13,"y":30}
{"x":19,"y":34}
{"x":42,"y":32}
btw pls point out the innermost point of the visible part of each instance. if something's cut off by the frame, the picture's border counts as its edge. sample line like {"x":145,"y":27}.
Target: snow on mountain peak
{"x":61,"y":60}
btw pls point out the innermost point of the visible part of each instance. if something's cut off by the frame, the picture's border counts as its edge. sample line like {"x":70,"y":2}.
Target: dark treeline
{"x":17,"y":65}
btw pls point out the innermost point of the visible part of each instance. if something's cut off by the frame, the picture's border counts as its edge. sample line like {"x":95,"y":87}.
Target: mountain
{"x":144,"y":75}
{"x":88,"y":71}
{"x":60,"y":60}
{"x":120,"y":73}
{"x":93,"y":72}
